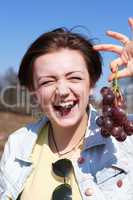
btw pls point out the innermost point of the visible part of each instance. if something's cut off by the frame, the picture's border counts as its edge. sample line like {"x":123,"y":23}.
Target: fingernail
{"x":113,"y":70}
{"x":108,"y":32}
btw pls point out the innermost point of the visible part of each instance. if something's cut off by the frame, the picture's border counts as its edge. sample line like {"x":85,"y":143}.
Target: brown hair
{"x":53,"y":41}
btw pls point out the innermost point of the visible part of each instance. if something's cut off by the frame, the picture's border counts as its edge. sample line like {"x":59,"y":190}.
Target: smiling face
{"x":62,"y":86}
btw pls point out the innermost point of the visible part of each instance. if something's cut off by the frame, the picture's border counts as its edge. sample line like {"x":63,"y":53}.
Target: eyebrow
{"x":51,"y":76}
{"x":47,"y":76}
{"x":69,"y":73}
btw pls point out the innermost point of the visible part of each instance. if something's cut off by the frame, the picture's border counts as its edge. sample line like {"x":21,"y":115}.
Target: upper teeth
{"x":66,"y":104}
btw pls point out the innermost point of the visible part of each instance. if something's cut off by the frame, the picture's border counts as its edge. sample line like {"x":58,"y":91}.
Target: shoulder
{"x":29,"y":130}
{"x":127,"y":145}
{"x":22,"y":140}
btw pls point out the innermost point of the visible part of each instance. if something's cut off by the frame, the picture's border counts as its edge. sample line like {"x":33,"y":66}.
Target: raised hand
{"x":124,"y":52}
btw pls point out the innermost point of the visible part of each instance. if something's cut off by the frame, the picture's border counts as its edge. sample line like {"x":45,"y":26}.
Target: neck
{"x":67,"y":138}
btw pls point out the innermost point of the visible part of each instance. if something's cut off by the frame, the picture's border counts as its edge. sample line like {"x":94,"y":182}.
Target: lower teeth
{"x":65,"y":111}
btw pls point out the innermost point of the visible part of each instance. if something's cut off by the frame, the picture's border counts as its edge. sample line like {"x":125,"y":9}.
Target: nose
{"x":62,"y":89}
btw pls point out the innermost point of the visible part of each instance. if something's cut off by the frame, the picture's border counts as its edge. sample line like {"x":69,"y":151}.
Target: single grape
{"x":121,"y":103}
{"x":116,"y":131}
{"x":108,"y":99}
{"x":99,"y":121}
{"x":122,"y":136}
{"x":105,"y":90}
{"x":128,"y":127}
{"x":107,"y":111}
{"x":107,"y":123}
{"x":104,"y":132}
{"x":119,"y":114}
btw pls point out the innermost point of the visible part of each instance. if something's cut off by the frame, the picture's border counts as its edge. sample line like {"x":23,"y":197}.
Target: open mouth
{"x":65,"y":108}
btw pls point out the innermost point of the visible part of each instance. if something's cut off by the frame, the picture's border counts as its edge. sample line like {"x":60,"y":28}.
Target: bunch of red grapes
{"x":113,"y":120}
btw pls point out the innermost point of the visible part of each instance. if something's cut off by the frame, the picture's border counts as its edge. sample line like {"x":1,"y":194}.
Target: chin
{"x":67,"y":122}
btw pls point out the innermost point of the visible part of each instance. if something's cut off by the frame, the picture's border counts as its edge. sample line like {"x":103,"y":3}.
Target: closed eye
{"x":46,"y":83}
{"x":75,"y":78}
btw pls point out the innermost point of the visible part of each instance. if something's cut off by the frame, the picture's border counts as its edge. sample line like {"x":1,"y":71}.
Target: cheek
{"x":84,"y":90}
{"x":84,"y":94}
{"x":43,"y":97}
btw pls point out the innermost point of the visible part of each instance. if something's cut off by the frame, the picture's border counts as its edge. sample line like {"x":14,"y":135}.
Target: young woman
{"x":63,"y":156}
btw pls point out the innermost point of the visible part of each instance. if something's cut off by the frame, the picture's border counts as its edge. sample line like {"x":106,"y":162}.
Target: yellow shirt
{"x":41,"y":183}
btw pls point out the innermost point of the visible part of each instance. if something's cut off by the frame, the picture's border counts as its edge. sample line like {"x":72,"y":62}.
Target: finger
{"x":108,"y":47}
{"x":121,"y":74}
{"x":115,"y":64}
{"x":122,"y":38}
{"x":130,"y":21}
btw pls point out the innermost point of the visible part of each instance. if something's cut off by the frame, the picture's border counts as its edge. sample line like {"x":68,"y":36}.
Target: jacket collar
{"x":93,"y":137}
{"x":30,"y":135}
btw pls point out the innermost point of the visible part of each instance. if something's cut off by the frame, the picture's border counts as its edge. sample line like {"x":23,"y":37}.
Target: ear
{"x":31,"y":88}
{"x":36,"y":96}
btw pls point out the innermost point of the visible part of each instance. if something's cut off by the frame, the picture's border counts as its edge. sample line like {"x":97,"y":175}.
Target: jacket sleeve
{"x":3,"y":160}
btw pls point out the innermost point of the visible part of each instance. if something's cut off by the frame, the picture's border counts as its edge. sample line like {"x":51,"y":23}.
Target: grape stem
{"x":115,"y":85}
{"x":116,"y":88}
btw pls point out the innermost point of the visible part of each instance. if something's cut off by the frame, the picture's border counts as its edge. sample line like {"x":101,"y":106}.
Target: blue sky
{"x":23,"y":21}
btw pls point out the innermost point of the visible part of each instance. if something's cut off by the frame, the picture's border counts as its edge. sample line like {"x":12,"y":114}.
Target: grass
{"x":9,"y":122}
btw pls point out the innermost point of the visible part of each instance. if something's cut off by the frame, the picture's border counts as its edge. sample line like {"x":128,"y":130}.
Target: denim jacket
{"x":106,"y":171}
